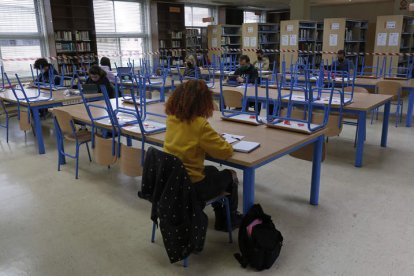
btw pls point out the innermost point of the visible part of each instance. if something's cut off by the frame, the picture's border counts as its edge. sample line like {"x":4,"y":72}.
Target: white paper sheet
{"x":214,"y":42}
{"x":293,"y":40}
{"x":289,"y":28}
{"x":285,"y":40}
{"x":390,"y":24}
{"x":335,"y":26}
{"x":394,"y":39}
{"x":249,"y":29}
{"x":253,"y":41}
{"x":333,"y":40}
{"x":246,"y":42}
{"x":381,"y":39}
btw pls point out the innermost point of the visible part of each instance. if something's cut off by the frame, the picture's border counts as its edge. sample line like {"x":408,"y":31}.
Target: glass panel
{"x":131,"y":48}
{"x":18,"y":16}
{"x":104,"y":16}
{"x":109,"y":47}
{"x":128,"y":17}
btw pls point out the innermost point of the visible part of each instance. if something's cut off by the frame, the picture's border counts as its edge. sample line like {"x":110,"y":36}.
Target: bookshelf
{"x":394,"y":34}
{"x":196,"y":38}
{"x":260,"y":36}
{"x":299,"y":35}
{"x":224,"y":36}
{"x":74,"y":37}
{"x":171,"y":32}
{"x":345,"y":34}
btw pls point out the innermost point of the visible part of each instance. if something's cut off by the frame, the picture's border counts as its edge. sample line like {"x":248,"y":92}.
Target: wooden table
{"x":407,"y":85}
{"x":273,"y":145}
{"x":170,"y":84}
{"x":58,"y":99}
{"x":362,"y":104}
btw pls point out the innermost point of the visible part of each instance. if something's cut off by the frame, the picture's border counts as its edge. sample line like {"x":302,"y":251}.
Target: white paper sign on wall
{"x":289,"y":28}
{"x":382,"y":39}
{"x":335,"y":26}
{"x":249,"y":29}
{"x":293,"y":40}
{"x":246,"y":42}
{"x":253,"y":41}
{"x":285,"y":40}
{"x":390,"y":24}
{"x":333,"y":40}
{"x":394,"y":39}
{"x":214,"y":42}
{"x":214,"y":30}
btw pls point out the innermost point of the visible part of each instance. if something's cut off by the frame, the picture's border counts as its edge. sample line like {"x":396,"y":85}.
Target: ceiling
{"x":277,"y":4}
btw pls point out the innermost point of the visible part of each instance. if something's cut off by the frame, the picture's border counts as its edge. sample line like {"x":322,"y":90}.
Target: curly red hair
{"x":190,"y":100}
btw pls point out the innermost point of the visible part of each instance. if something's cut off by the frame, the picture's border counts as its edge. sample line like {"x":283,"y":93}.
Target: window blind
{"x":18,"y":16}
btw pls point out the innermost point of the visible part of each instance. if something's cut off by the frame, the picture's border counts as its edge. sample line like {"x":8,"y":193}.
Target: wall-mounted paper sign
{"x":253,"y":41}
{"x":393,"y":40}
{"x":293,"y":40}
{"x":335,"y":26}
{"x":333,"y":40}
{"x":289,"y":28}
{"x":214,"y":42}
{"x":382,"y":39}
{"x":249,"y":29}
{"x":285,"y":40}
{"x":214,"y":30}
{"x":246,"y":42}
{"x":390,"y":24}
{"x":208,"y":19}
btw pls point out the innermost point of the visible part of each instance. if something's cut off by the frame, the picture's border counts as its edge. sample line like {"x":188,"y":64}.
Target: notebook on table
{"x":291,"y":125}
{"x":238,"y":144}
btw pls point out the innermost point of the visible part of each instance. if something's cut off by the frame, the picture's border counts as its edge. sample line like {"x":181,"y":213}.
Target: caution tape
{"x":165,"y":51}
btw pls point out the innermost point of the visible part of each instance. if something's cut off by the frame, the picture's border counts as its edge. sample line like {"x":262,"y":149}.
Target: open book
{"x":238,"y":144}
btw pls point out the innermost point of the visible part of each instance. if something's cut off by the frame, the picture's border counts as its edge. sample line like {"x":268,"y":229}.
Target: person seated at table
{"x":106,"y":65}
{"x":202,"y":58}
{"x":342,"y":63}
{"x":262,"y":62}
{"x":190,"y":137}
{"x":43,"y":66}
{"x":98,"y":76}
{"x":246,"y":70}
{"x":191,"y":67}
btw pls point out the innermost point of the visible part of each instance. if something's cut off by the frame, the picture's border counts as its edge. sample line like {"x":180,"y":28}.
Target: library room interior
{"x":184,"y":137}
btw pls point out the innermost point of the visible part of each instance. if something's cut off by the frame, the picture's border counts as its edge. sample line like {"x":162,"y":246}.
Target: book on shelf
{"x":83,"y":47}
{"x":65,"y":47}
{"x":63,"y":35}
{"x":82,"y":35}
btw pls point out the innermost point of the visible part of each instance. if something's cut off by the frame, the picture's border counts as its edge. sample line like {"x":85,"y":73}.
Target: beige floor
{"x":52,"y":224}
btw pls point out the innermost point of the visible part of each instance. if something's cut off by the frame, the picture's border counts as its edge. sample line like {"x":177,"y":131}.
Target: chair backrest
{"x":357,"y":89}
{"x":65,"y":122}
{"x":389,"y":88}
{"x":233,"y":98}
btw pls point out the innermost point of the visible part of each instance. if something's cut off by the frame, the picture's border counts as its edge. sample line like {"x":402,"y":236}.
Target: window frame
{"x":119,"y":35}
{"x":40,"y":35}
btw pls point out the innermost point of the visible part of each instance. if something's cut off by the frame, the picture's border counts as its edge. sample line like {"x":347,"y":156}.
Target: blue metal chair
{"x":7,"y":112}
{"x":65,"y":129}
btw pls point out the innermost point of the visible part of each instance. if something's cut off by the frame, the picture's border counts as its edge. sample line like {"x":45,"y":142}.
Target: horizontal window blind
{"x":18,"y":16}
{"x":194,"y":16}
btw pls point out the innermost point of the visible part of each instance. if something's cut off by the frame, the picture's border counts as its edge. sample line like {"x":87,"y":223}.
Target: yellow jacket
{"x":192,"y":141}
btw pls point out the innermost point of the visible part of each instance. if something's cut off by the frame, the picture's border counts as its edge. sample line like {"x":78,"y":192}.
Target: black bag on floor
{"x":259,"y":240}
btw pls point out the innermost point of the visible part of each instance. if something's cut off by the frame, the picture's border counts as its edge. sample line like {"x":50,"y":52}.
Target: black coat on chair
{"x":166,"y":184}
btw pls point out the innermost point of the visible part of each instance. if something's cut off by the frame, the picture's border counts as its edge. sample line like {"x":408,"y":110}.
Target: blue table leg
{"x":248,"y":189}
{"x":410,"y":108}
{"x":316,"y":170}
{"x":385,"y":121}
{"x":38,"y":129}
{"x":129,"y":141}
{"x":362,"y":124}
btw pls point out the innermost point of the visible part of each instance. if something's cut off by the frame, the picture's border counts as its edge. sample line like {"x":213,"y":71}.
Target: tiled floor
{"x":52,"y":224}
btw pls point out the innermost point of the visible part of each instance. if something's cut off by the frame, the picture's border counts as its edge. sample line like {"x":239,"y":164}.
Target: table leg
{"x":410,"y":108}
{"x":316,"y":169}
{"x":362,"y":125}
{"x":385,"y":121}
{"x":38,"y":129}
{"x":248,"y":189}
{"x":129,"y":141}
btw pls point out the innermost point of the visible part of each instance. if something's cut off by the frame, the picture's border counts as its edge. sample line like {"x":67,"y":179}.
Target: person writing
{"x":43,"y":66}
{"x":98,"y":76}
{"x":246,"y":70}
{"x":262,"y":62}
{"x":190,"y":137}
{"x":191,"y":68}
{"x":106,"y":66}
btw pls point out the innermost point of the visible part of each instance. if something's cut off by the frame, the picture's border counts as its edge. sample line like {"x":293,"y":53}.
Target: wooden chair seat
{"x":82,"y":135}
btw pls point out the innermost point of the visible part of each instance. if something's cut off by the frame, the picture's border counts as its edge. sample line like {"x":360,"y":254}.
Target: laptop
{"x":90,"y":88}
{"x":232,"y":81}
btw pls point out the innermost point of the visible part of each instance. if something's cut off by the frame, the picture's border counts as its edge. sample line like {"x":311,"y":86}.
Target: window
{"x":194,"y":16}
{"x":120,"y":30}
{"x":20,"y":35}
{"x":251,"y":17}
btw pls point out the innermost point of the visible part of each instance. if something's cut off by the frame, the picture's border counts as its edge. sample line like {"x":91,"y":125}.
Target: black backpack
{"x":262,"y":246}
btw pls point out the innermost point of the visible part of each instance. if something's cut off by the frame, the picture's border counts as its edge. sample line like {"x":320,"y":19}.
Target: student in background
{"x":342,"y":63}
{"x":106,"y":65}
{"x":43,"y":66}
{"x":98,"y":76}
{"x":262,"y":62}
{"x":191,"y":67}
{"x":246,"y":70}
{"x":190,"y":137}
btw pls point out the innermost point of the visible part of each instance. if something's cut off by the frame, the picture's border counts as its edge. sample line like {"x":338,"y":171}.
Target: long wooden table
{"x":362,"y":104}
{"x":58,"y":99}
{"x":273,"y":145}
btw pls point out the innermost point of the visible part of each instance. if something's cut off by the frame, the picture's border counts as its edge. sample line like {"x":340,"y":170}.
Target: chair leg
{"x":77,"y":160}
{"x":89,"y":153}
{"x":154,"y":229}
{"x":185,"y":263}
{"x":7,"y":129}
{"x":397,"y":114}
{"x":356,"y":134}
{"x":228,"y":218}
